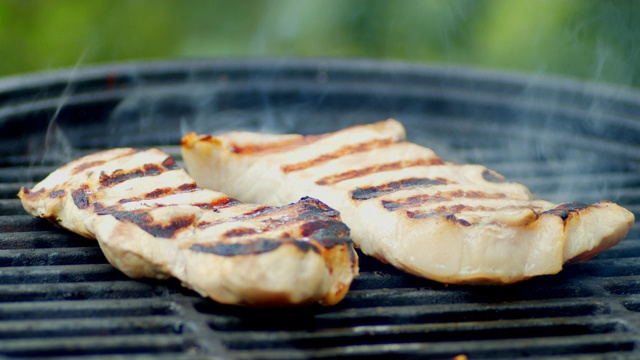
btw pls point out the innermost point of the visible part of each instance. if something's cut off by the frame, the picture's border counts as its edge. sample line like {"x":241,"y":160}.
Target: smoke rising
{"x":551,"y":134}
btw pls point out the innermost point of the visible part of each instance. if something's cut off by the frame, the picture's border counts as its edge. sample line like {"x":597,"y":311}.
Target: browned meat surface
{"x":453,"y":223}
{"x":152,"y":220}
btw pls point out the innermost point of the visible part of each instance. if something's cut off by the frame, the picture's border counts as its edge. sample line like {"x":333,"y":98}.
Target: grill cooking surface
{"x":565,"y":140}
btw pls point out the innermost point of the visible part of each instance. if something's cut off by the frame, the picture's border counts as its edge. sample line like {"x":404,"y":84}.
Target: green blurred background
{"x":577,"y":38}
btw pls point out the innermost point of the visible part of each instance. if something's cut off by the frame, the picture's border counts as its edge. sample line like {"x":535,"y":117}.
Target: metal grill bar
{"x":73,"y":309}
{"x":87,"y":345}
{"x":498,"y":349}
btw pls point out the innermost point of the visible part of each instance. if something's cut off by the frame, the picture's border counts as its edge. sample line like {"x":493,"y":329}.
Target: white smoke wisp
{"x":57,"y":146}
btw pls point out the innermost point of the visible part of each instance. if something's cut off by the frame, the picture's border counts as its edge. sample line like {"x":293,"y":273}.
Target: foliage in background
{"x":579,"y":38}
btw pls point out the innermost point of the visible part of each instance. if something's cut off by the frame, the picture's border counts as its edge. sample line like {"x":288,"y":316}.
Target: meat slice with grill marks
{"x":448,"y":222}
{"x":151,"y":220}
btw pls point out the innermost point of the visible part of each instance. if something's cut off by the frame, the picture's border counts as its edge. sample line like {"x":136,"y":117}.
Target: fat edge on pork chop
{"x":152,"y":220}
{"x":453,"y":223}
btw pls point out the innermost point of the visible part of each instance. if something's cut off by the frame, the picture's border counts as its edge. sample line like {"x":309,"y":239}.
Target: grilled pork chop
{"x":151,"y":220}
{"x":444,"y":221}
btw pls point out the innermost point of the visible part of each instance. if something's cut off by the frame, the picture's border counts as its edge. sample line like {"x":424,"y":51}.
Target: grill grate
{"x":567,"y":141}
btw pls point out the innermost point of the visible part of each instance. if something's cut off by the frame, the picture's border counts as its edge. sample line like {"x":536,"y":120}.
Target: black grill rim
{"x":175,"y":70}
{"x":621,"y":103}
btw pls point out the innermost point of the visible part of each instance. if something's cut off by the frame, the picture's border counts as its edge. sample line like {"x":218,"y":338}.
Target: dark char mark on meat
{"x":33,"y":194}
{"x":170,"y":164}
{"x":120,"y":175}
{"x":375,"y":191}
{"x":162,"y":192}
{"x":218,"y":204}
{"x":447,"y":216}
{"x":417,"y":200}
{"x":307,"y":209}
{"x":146,"y":222}
{"x":312,"y":208}
{"x":352,"y":174}
{"x":255,"y":247}
{"x":328,"y":232}
{"x":341,"y":152}
{"x":564,"y":210}
{"x":81,"y":197}
{"x":167,"y":231}
{"x":240,"y":232}
{"x":87,"y":165}
{"x":57,"y":194}
{"x":158,"y":193}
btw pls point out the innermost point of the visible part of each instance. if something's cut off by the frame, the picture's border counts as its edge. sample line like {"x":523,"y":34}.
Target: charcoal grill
{"x":566,"y":140}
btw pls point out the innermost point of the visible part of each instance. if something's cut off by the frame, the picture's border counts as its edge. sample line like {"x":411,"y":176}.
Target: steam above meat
{"x":448,"y":222}
{"x":152,"y":220}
